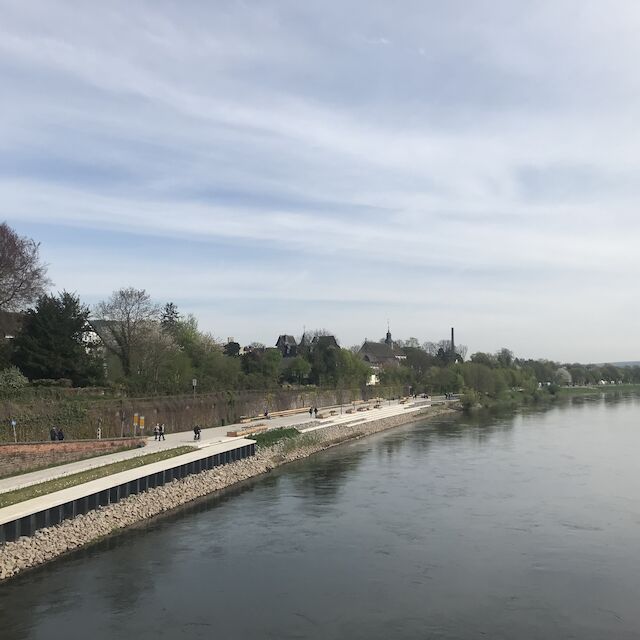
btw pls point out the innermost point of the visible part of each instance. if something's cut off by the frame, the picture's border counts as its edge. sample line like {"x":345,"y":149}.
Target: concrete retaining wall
{"x":23,"y":457}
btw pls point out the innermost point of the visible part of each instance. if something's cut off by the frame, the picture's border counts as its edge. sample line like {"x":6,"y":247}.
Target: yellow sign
{"x":135,"y":419}
{"x":142,"y":422}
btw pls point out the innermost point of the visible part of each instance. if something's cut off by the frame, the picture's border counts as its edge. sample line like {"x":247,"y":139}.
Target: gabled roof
{"x":325,"y":341}
{"x":378,"y":351}
{"x":287,"y":340}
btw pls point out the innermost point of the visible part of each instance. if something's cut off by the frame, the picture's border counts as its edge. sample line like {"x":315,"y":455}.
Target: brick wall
{"x":21,"y":458}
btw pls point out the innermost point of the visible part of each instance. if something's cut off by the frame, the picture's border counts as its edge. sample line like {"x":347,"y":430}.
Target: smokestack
{"x":453,"y":344}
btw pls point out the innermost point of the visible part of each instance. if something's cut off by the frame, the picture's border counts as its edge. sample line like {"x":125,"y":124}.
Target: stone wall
{"x":24,"y":457}
{"x":79,"y":418}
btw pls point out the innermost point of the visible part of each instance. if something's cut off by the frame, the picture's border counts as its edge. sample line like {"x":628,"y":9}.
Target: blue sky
{"x":270,"y":165}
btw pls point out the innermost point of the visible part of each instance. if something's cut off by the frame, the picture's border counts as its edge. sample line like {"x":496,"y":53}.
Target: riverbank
{"x":53,"y":542}
{"x":514,"y":398}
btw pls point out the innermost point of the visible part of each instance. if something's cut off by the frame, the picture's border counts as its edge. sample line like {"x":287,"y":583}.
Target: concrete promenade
{"x":22,"y":509}
{"x":213,"y":436}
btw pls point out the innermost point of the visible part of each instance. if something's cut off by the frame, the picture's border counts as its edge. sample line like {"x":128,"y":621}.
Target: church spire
{"x":388,"y":340}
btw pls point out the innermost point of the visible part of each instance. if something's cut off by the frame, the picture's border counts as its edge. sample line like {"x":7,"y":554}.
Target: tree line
{"x":128,"y":342}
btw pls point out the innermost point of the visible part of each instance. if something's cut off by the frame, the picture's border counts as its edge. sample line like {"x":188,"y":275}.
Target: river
{"x":522,"y":526}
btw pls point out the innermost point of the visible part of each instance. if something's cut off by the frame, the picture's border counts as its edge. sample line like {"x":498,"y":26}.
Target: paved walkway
{"x":208,"y":437}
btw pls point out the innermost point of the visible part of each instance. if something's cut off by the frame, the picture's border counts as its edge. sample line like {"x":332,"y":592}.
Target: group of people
{"x":313,"y":411}
{"x":158,"y":432}
{"x":56,"y":434}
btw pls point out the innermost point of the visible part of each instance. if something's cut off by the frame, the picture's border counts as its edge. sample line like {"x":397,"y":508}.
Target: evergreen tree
{"x":170,"y":317}
{"x":52,"y":342}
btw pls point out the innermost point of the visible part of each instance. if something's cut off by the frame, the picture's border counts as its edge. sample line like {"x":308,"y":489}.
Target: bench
{"x":258,"y":428}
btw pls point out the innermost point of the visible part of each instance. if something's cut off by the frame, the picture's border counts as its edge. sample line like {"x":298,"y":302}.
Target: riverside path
{"x":215,"y":435}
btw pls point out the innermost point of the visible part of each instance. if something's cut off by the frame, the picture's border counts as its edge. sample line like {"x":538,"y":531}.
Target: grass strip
{"x":269,"y":438}
{"x":57,"y":484}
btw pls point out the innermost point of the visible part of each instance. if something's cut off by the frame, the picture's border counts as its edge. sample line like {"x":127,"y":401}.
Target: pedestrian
{"x":196,"y":432}
{"x":315,"y":410}
{"x":311,"y":412}
{"x":156,"y":431}
{"x":60,"y":434}
{"x":161,"y":432}
{"x":53,"y":434}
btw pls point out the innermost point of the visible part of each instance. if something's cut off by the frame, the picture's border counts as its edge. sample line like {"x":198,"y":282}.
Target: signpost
{"x":194,"y":384}
{"x":135,"y":423}
{"x":13,"y":426}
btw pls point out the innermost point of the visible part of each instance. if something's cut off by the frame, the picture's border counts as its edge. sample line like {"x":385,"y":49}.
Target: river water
{"x":523,"y":526}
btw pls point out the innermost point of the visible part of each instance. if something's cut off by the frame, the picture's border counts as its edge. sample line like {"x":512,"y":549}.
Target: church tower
{"x":388,"y":340}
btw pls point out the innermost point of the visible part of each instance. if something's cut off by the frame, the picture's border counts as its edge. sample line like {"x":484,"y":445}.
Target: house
{"x":325,"y":341}
{"x":308,"y":344}
{"x":287,"y":346}
{"x":381,"y":354}
{"x":378,"y":354}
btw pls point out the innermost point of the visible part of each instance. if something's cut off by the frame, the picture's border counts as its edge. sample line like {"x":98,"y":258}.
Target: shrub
{"x":470,"y":399}
{"x":11,"y":379}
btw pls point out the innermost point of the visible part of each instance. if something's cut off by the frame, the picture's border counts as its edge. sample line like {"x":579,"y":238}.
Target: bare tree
{"x":431,"y":348}
{"x":127,"y":318}
{"x":23,"y":277}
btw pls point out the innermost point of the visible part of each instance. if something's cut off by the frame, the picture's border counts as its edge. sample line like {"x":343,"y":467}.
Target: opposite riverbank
{"x":50,"y":543}
{"x":513,"y":398}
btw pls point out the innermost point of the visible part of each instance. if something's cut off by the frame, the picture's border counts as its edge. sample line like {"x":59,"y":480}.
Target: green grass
{"x":57,"y":484}
{"x":269,"y":438}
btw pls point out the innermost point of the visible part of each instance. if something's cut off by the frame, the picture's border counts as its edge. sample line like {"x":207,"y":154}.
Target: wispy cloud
{"x":432,"y":162}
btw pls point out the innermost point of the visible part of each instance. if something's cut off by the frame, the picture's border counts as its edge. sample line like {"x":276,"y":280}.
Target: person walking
{"x":315,"y":410}
{"x":60,"y":434}
{"x":53,"y":434}
{"x":196,"y":432}
{"x":311,"y":412}
{"x":161,"y":432}
{"x":156,"y":431}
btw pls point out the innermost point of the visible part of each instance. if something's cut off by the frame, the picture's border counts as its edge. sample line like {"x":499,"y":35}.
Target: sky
{"x":270,"y":166}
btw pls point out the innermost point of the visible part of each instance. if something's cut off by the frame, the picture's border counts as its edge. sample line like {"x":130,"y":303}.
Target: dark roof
{"x":325,"y":341}
{"x":103,"y":329}
{"x":379,"y":353}
{"x":304,"y":341}
{"x":10,"y":323}
{"x":285,"y":339}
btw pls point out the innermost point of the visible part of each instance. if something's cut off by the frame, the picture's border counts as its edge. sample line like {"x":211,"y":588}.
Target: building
{"x":287,"y":346}
{"x":381,"y":354}
{"x":325,"y":341}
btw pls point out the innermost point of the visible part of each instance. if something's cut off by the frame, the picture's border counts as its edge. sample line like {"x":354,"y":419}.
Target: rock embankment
{"x":47,"y":544}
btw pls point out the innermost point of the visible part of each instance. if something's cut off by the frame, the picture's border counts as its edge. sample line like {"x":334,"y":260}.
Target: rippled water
{"x":525,"y":526}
